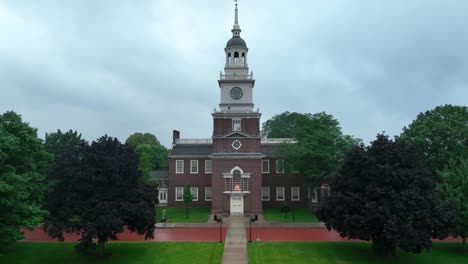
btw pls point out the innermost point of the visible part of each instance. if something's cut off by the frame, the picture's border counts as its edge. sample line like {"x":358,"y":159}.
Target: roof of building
{"x":159,"y":175}
{"x":236,"y":41}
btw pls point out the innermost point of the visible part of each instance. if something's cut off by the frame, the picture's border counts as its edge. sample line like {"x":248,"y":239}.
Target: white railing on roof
{"x":277,"y":140}
{"x":236,"y":77}
{"x":194,"y":141}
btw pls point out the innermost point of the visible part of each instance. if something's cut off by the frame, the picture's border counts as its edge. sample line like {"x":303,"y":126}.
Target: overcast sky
{"x":119,"y":67}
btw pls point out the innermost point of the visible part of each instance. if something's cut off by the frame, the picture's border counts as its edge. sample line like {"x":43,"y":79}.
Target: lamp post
{"x":293,"y":212}
{"x":220,"y":221}
{"x":252,"y":219}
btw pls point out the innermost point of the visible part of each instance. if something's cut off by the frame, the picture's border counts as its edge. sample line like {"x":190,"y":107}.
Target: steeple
{"x":236,"y":28}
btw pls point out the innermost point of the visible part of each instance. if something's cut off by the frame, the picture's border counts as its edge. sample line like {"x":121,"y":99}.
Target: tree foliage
{"x":384,"y":194}
{"x":23,"y":165}
{"x":98,"y":193}
{"x":439,"y":135}
{"x":454,"y":191}
{"x":58,"y":142}
{"x":152,"y":155}
{"x":320,"y":143}
{"x":188,"y":197}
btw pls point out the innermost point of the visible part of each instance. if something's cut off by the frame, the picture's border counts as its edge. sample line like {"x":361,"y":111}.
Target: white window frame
{"x":235,"y":122}
{"x":206,"y":166}
{"x":181,"y":194}
{"x":206,"y":191}
{"x":177,"y":167}
{"x":277,"y":163}
{"x":277,"y":193}
{"x":268,"y":166}
{"x":192,"y":162}
{"x":298,"y":193}
{"x":194,"y":192}
{"x":267,"y":189}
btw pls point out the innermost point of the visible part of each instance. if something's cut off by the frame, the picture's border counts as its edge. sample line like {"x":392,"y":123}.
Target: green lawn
{"x":179,"y":215}
{"x":347,"y":253}
{"x":120,"y":253}
{"x":300,"y":215}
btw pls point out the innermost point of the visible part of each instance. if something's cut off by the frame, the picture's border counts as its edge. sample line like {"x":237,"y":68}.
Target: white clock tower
{"x":236,"y":83}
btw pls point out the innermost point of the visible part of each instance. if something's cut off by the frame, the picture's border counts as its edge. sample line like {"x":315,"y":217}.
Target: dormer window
{"x":236,"y":125}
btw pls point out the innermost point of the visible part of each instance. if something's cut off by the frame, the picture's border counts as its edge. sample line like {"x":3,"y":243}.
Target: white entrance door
{"x":237,"y":205}
{"x":163,"y":196}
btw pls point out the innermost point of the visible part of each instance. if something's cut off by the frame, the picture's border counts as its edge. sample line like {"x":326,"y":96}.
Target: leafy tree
{"x":153,"y":155}
{"x":454,"y":190}
{"x":384,"y":194}
{"x":188,"y":197}
{"x":99,"y":194}
{"x":439,"y":135}
{"x":58,"y":142}
{"x":320,"y":143}
{"x":142,"y":138}
{"x":23,"y":165}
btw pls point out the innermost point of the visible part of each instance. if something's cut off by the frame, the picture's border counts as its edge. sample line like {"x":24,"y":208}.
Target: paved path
{"x":235,"y":246}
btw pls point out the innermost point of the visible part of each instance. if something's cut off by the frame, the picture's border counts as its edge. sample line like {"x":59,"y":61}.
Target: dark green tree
{"x":58,"y":142}
{"x":188,"y":197}
{"x":136,"y":139}
{"x":439,"y":135}
{"x":23,"y":165}
{"x":320,"y":143}
{"x":383,"y":193}
{"x":454,"y":191}
{"x":152,"y":155}
{"x":98,"y":193}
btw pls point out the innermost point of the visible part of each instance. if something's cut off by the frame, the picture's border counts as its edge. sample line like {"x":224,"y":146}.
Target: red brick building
{"x":235,"y":171}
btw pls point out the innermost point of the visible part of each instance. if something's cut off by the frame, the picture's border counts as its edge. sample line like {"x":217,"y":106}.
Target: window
{"x":179,"y":166}
{"x":194,"y":192}
{"x":194,"y":166}
{"x":295,"y":194}
{"x":265,"y":193}
{"x":236,"y":125}
{"x":179,"y":194}
{"x":325,"y":191}
{"x":265,"y":166}
{"x":280,"y":166}
{"x":228,"y":184}
{"x":280,"y":193}
{"x":236,"y":181}
{"x":208,"y":193}
{"x":208,"y":166}
{"x":245,"y":184}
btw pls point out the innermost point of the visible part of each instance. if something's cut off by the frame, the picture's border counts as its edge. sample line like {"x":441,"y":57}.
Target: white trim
{"x":298,"y":193}
{"x":211,"y":190}
{"x":191,"y":167}
{"x":176,"y":167}
{"x":233,"y":144}
{"x":192,"y":192}
{"x":314,"y":195}
{"x":211,"y":167}
{"x":277,"y":192}
{"x":234,"y":121}
{"x":268,"y":189}
{"x":182,"y":196}
{"x":268,"y":166}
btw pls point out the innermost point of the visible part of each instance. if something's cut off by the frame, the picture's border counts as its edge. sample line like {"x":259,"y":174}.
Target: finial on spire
{"x":236,"y":28}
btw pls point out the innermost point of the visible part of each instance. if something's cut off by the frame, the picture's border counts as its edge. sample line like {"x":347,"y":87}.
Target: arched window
{"x":229,"y":62}
{"x":243,"y":59}
{"x":236,"y":58}
{"x":236,"y":181}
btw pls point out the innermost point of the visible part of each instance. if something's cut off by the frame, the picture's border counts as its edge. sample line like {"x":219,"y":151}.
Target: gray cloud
{"x":118,"y":67}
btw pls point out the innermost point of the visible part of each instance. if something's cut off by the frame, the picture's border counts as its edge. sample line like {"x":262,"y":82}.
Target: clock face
{"x":236,"y":144}
{"x":236,"y":93}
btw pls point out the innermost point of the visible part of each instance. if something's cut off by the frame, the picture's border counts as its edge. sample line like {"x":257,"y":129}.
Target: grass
{"x":179,"y":215}
{"x":348,"y":252}
{"x":300,"y":215}
{"x":120,"y":253}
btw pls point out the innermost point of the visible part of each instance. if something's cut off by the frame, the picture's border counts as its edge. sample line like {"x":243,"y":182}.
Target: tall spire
{"x":236,"y":28}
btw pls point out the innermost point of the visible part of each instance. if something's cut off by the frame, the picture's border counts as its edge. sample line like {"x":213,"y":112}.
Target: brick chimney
{"x":175,"y":136}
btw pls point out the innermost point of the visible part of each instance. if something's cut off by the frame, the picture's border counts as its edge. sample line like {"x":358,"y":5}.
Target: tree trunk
{"x":101,"y":245}
{"x":187,"y":212}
